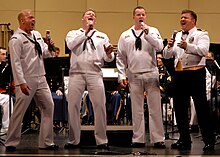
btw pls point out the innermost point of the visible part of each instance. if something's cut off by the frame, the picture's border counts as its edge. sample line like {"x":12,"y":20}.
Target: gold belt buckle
{"x":179,"y":66}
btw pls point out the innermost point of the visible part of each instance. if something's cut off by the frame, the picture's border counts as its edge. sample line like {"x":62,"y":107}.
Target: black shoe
{"x":103,"y":146}
{"x":137,"y":145}
{"x":71,"y":146}
{"x":159,"y":145}
{"x":52,"y":147}
{"x":181,"y":146}
{"x":10,"y":148}
{"x":208,"y":147}
{"x":194,"y":129}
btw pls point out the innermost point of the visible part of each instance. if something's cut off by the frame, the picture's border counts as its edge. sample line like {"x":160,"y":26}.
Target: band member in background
{"x":4,"y":91}
{"x":27,"y":50}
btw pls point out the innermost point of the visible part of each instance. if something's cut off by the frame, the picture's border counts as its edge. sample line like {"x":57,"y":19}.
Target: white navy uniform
{"x":143,"y":75}
{"x":85,"y":72}
{"x":28,"y":67}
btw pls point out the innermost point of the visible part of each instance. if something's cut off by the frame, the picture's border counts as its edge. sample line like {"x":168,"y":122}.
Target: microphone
{"x":48,"y":38}
{"x":90,"y":24}
{"x":174,"y":35}
{"x":142,"y":22}
{"x":165,"y":42}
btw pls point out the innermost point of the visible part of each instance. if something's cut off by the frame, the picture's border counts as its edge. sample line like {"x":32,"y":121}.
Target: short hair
{"x":2,"y":48}
{"x":192,"y":13}
{"x":138,"y":7}
{"x":90,"y":9}
{"x":57,"y":48}
{"x":22,"y":13}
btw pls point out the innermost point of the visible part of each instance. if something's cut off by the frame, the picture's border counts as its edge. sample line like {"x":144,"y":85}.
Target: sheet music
{"x":110,"y":73}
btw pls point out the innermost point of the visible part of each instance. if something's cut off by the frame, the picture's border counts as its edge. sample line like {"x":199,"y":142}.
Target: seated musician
{"x":118,"y":105}
{"x":165,"y":80}
{"x":87,"y":114}
{"x":4,"y":95}
{"x":114,"y":106}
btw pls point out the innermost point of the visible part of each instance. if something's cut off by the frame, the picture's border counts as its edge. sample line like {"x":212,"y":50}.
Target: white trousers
{"x":41,"y":93}
{"x":4,"y":102}
{"x":139,"y":83}
{"x":96,"y":90}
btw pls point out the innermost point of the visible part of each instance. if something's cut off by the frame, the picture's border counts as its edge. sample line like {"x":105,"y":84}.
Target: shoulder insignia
{"x":199,"y":29}
{"x":14,"y":38}
{"x":98,"y":36}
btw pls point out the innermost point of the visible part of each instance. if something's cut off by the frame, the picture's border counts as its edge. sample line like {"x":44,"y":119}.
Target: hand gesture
{"x":182,"y":44}
{"x":108,"y":50}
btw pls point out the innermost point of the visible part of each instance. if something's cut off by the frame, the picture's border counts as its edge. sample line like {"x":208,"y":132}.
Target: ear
{"x":22,"y":21}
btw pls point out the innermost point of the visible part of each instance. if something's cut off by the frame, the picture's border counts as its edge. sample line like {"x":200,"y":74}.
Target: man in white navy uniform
{"x":137,"y":49}
{"x":189,"y":47}
{"x":89,"y":48}
{"x":27,"y":50}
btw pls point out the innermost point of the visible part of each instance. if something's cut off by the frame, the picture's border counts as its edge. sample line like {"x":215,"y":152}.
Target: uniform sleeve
{"x":168,"y":53}
{"x":107,"y":43}
{"x":154,"y":38}
{"x":75,"y":39}
{"x":15,"y":48}
{"x":121,"y":59}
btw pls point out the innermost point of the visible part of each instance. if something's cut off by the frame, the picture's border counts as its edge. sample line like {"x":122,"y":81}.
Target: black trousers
{"x":186,"y":84}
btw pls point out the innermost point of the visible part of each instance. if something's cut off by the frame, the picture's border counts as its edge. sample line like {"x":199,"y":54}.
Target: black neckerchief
{"x":138,"y":44}
{"x":92,"y":43}
{"x":37,"y":45}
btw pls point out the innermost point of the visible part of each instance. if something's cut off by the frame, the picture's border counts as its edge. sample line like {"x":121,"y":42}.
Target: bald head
{"x":22,"y":14}
{"x":26,"y":20}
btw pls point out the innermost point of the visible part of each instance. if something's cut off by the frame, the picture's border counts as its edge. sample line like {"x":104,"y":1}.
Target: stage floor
{"x":119,"y":141}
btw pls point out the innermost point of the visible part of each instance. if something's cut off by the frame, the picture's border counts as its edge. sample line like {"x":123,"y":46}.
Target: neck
{"x":137,"y":27}
{"x":25,"y":30}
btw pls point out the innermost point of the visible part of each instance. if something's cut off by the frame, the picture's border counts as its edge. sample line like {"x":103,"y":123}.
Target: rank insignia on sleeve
{"x":127,"y":36}
{"x":25,"y":42}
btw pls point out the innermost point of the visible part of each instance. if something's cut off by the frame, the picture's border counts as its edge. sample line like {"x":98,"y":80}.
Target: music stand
{"x":56,"y":68}
{"x":169,"y":72}
{"x":212,"y":66}
{"x":214,"y":69}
